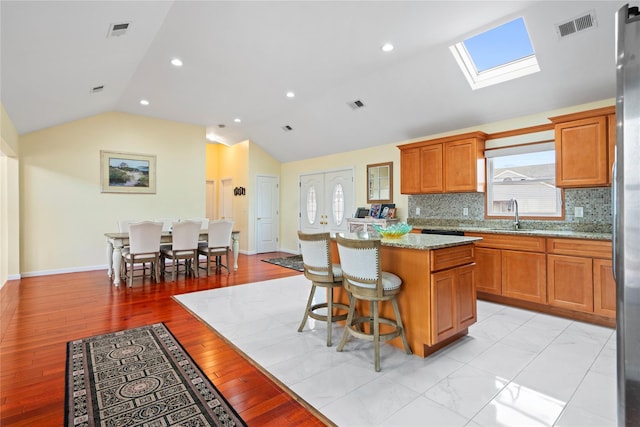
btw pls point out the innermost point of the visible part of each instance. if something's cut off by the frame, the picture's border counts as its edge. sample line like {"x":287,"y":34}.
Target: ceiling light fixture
{"x":176,"y":62}
{"x":144,"y":102}
{"x":237,"y":120}
{"x":387,"y":47}
{"x":291,"y":95}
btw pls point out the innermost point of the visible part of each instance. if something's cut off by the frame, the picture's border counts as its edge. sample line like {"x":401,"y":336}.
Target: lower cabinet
{"x":604,"y":288}
{"x":453,"y":299}
{"x":524,"y":276}
{"x":573,"y":274}
{"x":570,"y":282}
{"x":489,"y":270}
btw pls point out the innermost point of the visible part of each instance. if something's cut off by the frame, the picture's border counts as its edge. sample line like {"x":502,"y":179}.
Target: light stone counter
{"x":418,"y":241}
{"x":524,"y":232}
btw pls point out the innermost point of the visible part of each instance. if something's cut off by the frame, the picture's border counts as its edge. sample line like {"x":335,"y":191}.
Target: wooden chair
{"x":323,"y":273}
{"x":144,"y":247}
{"x":218,"y":244}
{"x":364,"y":279}
{"x":184,"y":246}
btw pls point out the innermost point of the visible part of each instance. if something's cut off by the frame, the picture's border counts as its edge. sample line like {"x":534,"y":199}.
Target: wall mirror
{"x":380,"y":183}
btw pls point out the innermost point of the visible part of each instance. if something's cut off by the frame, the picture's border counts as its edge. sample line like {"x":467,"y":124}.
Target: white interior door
{"x":268,"y":200}
{"x":326,"y":200}
{"x":226,"y":201}
{"x":211,"y":200}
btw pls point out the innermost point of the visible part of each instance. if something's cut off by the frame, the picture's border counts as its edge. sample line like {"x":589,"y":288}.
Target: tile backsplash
{"x":447,"y":209}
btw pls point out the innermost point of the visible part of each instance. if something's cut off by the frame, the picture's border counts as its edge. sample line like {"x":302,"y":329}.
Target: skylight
{"x":497,"y":55}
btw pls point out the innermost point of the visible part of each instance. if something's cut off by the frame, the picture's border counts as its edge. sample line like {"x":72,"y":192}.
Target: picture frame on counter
{"x":391,"y":213}
{"x":374,"y":212}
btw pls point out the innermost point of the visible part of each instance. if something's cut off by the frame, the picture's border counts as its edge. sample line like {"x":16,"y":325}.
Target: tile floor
{"x":515,"y":368}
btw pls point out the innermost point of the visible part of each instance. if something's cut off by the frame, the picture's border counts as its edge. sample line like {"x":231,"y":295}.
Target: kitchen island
{"x":438,"y":297}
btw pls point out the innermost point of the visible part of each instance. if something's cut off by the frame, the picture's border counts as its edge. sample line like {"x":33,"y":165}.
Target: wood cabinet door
{"x":570,"y":282}
{"x":488,"y":270}
{"x":604,"y":288}
{"x":524,"y":276}
{"x":431,"y":179}
{"x":410,"y":170}
{"x":465,"y":296}
{"x":443,"y":305}
{"x":460,"y":166}
{"x":581,"y":153}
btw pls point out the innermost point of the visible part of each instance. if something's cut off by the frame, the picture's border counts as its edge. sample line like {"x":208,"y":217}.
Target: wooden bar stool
{"x":322,"y":273}
{"x":364,"y":280}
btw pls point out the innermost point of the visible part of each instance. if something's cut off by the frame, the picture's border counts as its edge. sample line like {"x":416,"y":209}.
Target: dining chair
{"x":365,"y":280}
{"x":323,"y":273}
{"x":184,"y":246}
{"x":144,"y":247}
{"x":218,"y":244}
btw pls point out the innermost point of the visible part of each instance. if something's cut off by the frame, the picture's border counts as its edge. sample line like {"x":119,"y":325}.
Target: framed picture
{"x":391,"y":213}
{"x":127,"y":173}
{"x":384,"y":212}
{"x":362,"y":213}
{"x":374,"y":212}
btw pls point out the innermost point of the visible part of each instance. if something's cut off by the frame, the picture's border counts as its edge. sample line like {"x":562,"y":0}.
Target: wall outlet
{"x":578,"y":212}
{"x":417,"y":211}
{"x":465,"y":211}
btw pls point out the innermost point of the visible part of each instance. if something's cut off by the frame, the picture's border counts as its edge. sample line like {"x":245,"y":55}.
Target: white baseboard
{"x":64,"y":270}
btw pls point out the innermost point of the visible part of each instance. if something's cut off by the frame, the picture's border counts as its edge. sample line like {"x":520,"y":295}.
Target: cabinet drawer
{"x":580,"y":247}
{"x":451,"y":257}
{"x":509,"y":241}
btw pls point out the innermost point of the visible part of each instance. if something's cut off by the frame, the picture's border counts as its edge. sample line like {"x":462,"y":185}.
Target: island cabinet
{"x":584,"y":148}
{"x":438,"y":298}
{"x":511,"y":266}
{"x":443,"y":165}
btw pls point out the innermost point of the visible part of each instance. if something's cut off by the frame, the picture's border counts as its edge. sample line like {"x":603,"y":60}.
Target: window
{"x":526,"y":173}
{"x":497,"y":55}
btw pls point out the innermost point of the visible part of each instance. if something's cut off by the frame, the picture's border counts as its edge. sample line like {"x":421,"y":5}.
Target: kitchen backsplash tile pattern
{"x":448,"y":209}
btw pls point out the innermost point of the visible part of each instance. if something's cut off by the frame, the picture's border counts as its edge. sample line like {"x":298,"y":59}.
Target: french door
{"x":326,"y":201}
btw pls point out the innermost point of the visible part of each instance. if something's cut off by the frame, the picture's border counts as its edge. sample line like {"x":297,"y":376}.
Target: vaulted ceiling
{"x":240,"y":58}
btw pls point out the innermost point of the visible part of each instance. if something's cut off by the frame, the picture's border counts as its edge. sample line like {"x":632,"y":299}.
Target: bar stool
{"x":364,"y":280}
{"x":318,"y":268}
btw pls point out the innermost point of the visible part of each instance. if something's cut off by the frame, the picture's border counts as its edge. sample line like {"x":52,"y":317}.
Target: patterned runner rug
{"x":292,"y":262}
{"x":140,"y":376}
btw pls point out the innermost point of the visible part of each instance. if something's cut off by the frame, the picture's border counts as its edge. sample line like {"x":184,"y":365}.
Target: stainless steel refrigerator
{"x":626,"y":214}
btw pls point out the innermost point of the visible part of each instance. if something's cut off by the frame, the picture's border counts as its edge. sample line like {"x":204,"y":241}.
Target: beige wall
{"x":63,"y":212}
{"x":9,"y":200}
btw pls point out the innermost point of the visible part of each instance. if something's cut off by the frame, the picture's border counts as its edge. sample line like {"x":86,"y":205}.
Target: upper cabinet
{"x":584,"y":148}
{"x":444,"y":165}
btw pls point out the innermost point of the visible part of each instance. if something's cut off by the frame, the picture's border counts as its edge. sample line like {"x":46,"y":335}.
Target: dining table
{"x":117,"y":240}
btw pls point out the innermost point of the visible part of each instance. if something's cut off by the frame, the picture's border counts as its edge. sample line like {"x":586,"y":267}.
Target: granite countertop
{"x":522,"y":232}
{"x":418,"y":241}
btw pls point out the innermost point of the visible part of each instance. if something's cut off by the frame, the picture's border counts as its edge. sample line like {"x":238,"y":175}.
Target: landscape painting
{"x":127,"y":172}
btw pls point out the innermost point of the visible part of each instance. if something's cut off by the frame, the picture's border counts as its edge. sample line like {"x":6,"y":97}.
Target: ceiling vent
{"x":356,"y":105}
{"x":96,"y":89}
{"x":287,"y":128}
{"x":116,"y":30}
{"x":581,"y":23}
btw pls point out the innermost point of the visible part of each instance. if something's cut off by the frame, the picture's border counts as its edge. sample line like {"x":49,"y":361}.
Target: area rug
{"x":140,"y":376}
{"x":292,"y":262}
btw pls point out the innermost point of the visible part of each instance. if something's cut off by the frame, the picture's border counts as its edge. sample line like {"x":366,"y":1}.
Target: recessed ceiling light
{"x":176,"y":62}
{"x":237,"y":120}
{"x":387,"y":47}
{"x":291,"y":95}
{"x":144,"y":102}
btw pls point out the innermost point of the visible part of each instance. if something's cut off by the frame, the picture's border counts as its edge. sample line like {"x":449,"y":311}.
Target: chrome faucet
{"x":513,"y":205}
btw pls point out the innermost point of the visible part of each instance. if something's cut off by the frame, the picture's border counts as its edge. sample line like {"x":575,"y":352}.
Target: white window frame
{"x":515,"y":150}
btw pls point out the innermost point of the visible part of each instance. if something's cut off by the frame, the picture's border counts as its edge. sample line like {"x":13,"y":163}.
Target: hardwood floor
{"x":41,"y":314}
